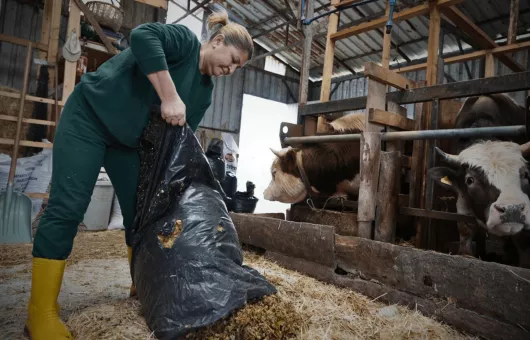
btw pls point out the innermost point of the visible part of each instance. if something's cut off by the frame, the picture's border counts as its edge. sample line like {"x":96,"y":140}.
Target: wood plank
{"x":27,"y":120}
{"x":90,"y":17}
{"x":387,"y":77}
{"x":38,"y":195}
{"x":507,"y":83}
{"x":440,"y":215}
{"x":406,"y":161}
{"x":46,"y":25}
{"x":6,"y":141}
{"x":327,"y":72}
{"x":482,"y":287}
{"x":369,"y":173}
{"x":387,"y":196}
{"x":514,"y":19}
{"x":307,"y":241}
{"x":390,"y":119}
{"x":479,"y":36}
{"x":344,"y":222}
{"x":443,"y":310}
{"x":74,"y":23}
{"x":489,"y":66}
{"x":155,"y":3}
{"x":23,"y":42}
{"x":387,"y":42}
{"x":29,"y":98}
{"x":510,"y":48}
{"x":310,"y":123}
{"x":398,"y":16}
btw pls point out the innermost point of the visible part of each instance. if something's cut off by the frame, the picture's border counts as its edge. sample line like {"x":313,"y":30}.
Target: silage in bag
{"x":187,"y":260}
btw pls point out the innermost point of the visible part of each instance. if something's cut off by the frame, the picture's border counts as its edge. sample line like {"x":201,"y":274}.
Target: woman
{"x":101,"y":124}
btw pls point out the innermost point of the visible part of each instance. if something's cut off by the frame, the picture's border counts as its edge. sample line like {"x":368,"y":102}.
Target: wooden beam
{"x":327,"y":71}
{"x":390,"y":119}
{"x":155,"y":3}
{"x":490,"y":66}
{"x":344,"y":222}
{"x":6,"y":141}
{"x":88,"y":14}
{"x":310,"y":123}
{"x":440,"y":215}
{"x":479,"y":36}
{"x":387,"y":42}
{"x":74,"y":23}
{"x":307,"y":241}
{"x":387,"y":196}
{"x":369,"y":173}
{"x":470,"y":56}
{"x":387,"y":77}
{"x":23,"y":42}
{"x":514,"y":19}
{"x":27,"y":120}
{"x":29,"y":98}
{"x":381,"y":22}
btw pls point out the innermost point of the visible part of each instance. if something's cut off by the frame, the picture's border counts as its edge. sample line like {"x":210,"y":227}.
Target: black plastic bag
{"x":214,"y":153}
{"x":200,"y":279}
{"x":245,"y":202}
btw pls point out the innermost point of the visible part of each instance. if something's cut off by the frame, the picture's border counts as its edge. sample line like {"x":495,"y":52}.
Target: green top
{"x":120,"y":93}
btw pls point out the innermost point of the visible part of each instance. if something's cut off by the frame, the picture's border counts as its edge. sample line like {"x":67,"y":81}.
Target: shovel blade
{"x":15,"y":217}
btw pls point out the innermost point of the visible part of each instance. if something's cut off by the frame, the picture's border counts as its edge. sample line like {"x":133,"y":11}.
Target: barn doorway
{"x":260,"y":127}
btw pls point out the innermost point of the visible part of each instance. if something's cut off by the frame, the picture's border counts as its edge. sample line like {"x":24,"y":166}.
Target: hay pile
{"x":10,"y":107}
{"x":303,"y":308}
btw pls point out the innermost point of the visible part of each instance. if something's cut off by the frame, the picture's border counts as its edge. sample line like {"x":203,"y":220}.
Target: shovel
{"x":15,"y":207}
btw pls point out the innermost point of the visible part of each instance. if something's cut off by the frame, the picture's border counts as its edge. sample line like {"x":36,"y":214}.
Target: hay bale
{"x":10,"y":107}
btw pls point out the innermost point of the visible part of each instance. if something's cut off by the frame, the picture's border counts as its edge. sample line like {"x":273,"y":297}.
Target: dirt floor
{"x":95,"y":304}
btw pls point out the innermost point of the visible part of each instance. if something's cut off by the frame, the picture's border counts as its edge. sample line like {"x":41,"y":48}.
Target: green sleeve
{"x":154,"y":44}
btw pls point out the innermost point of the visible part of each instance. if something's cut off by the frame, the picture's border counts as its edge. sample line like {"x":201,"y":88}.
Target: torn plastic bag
{"x":187,"y":260}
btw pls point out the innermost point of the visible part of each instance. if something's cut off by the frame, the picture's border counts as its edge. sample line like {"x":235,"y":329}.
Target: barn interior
{"x":384,"y":263}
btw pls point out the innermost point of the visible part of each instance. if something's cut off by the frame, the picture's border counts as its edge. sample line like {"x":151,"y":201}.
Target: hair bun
{"x":217,"y":20}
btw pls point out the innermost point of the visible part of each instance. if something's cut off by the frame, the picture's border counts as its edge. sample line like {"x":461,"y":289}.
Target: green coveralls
{"x":102,"y":122}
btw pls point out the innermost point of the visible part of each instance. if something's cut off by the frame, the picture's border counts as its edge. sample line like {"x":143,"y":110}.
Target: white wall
{"x":260,"y":127}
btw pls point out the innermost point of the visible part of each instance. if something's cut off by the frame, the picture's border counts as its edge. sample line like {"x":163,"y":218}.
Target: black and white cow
{"x":490,"y":176}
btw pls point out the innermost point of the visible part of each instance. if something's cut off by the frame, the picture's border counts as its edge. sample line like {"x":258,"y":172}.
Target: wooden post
{"x":369,"y":173}
{"x":514,"y":18}
{"x":489,"y":70}
{"x":431,"y":79}
{"x":53,"y":48}
{"x":387,"y":196}
{"x":310,"y":123}
{"x":74,"y":23}
{"x":387,"y":40}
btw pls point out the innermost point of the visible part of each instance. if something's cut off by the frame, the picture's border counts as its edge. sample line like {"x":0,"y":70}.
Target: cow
{"x":330,"y":169}
{"x":490,"y":176}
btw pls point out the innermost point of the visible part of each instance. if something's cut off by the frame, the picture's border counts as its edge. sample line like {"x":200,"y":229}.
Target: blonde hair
{"x":234,"y":34}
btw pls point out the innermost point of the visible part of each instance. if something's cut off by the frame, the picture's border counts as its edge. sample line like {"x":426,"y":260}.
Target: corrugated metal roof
{"x":409,"y":36}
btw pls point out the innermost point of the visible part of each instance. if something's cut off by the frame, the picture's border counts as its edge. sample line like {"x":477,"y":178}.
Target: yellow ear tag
{"x":446,"y":180}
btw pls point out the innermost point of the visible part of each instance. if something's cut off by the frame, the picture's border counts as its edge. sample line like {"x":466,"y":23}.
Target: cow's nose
{"x":499,"y":208}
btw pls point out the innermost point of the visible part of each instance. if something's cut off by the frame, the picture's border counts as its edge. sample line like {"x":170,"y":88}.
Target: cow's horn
{"x":448,"y":158}
{"x":525,"y":149}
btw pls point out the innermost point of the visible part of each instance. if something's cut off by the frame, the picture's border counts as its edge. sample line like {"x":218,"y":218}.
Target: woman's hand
{"x":173,"y":108}
{"x":174,"y":111}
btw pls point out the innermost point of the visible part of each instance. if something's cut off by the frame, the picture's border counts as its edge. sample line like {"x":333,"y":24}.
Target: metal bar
{"x":439,"y":215}
{"x":199,"y":6}
{"x":339,"y":9}
{"x":513,"y":130}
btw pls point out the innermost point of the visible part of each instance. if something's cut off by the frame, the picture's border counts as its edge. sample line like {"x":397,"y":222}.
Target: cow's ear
{"x":445,"y":177}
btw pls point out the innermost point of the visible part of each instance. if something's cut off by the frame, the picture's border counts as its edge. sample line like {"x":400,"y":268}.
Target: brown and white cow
{"x":490,"y":176}
{"x":331,"y":168}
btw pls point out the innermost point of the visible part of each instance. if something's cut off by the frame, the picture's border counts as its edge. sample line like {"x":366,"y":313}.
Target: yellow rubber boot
{"x":132,"y":291}
{"x":43,"y":320}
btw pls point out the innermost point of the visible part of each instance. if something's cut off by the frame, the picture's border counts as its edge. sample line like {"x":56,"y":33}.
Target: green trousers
{"x":81,"y":147}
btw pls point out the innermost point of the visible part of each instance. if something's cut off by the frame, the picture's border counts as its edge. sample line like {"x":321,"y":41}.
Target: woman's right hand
{"x":174,"y":111}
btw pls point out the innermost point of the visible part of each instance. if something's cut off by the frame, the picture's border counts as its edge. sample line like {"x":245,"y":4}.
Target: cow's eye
{"x":470,"y":180}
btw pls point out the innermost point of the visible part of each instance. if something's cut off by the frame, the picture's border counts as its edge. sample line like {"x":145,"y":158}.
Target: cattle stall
{"x":396,"y":241}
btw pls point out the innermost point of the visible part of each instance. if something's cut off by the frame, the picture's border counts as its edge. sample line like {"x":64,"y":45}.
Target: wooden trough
{"x":486,"y":299}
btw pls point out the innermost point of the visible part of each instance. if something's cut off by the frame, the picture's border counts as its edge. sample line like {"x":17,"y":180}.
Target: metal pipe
{"x":340,"y":9}
{"x":514,"y":130}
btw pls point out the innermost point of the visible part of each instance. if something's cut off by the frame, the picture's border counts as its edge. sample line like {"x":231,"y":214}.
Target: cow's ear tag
{"x":446,"y":180}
